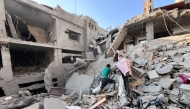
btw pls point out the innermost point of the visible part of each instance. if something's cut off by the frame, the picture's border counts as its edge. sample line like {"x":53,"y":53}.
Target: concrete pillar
{"x":148,"y":6}
{"x":2,"y":19}
{"x":149,"y":30}
{"x":6,"y":72}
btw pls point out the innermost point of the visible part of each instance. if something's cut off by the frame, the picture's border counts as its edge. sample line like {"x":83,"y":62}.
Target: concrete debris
{"x":153,"y":74}
{"x":33,"y":106}
{"x":166,"y":83}
{"x":45,"y":65}
{"x":79,"y":82}
{"x":54,"y":103}
{"x":175,"y":91}
{"x":149,"y":88}
{"x":80,"y":63}
{"x":48,"y":79}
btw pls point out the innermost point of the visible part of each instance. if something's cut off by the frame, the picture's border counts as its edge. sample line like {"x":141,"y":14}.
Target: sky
{"x":106,"y":12}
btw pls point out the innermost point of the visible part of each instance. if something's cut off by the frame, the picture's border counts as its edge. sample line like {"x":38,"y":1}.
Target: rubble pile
{"x":161,"y":69}
{"x":157,"y":76}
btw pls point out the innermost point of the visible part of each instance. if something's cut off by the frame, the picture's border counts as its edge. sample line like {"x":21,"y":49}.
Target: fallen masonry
{"x":57,"y":62}
{"x":169,"y":88}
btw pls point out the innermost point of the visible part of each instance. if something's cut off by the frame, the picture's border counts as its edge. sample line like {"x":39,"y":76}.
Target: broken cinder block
{"x":166,"y":83}
{"x":153,"y":74}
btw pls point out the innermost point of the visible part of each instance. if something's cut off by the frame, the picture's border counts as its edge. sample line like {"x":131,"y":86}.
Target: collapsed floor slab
{"x":79,"y":82}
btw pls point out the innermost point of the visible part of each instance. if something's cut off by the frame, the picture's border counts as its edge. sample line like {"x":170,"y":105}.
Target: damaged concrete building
{"x":152,"y":24}
{"x":53,"y":59}
{"x":36,"y":37}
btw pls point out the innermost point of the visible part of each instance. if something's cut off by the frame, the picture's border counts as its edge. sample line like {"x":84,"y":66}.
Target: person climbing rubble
{"x":105,"y":80}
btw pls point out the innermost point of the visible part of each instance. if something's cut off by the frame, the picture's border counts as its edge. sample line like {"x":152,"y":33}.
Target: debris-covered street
{"x":60,"y":60}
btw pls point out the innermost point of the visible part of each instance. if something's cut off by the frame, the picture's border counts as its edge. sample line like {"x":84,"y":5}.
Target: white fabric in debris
{"x":48,"y":79}
{"x":122,"y":91}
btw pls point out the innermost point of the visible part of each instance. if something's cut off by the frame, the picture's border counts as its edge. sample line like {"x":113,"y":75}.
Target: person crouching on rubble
{"x":105,"y":80}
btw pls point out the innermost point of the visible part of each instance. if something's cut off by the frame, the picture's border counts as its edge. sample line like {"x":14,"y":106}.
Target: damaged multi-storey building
{"x":53,"y":59}
{"x":154,"y":23}
{"x":36,"y":37}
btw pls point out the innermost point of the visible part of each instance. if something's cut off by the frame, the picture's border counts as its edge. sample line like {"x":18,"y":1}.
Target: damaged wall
{"x":92,"y":30}
{"x":54,"y":33}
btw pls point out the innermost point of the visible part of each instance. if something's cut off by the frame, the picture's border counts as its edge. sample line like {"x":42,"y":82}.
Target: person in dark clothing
{"x":105,"y":80}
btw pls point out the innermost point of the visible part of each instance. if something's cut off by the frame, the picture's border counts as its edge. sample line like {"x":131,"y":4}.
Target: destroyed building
{"x":158,"y":23}
{"x":34,"y":37}
{"x":44,"y":47}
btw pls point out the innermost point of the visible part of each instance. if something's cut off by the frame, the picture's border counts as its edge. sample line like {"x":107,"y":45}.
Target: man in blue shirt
{"x":105,"y":80}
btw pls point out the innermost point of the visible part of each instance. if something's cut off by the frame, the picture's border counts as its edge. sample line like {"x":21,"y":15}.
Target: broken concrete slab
{"x":33,"y":106}
{"x":77,"y":82}
{"x":123,"y":100}
{"x":39,"y":34}
{"x":166,"y":83}
{"x":186,"y":57}
{"x":53,"y":103}
{"x":185,"y":87}
{"x":175,"y":91}
{"x":160,"y":69}
{"x":170,"y":47}
{"x":89,"y":55}
{"x":153,"y":74}
{"x":178,"y":57}
{"x":186,"y":98}
{"x":170,"y":53}
{"x":11,"y":25}
{"x":119,"y":38}
{"x":152,"y":107}
{"x":149,"y":88}
{"x":172,"y":107}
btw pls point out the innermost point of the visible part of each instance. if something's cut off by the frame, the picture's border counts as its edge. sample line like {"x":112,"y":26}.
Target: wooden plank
{"x":98,"y":103}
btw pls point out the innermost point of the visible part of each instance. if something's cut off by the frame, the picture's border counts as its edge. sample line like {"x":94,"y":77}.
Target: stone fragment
{"x":186,"y":98}
{"x":161,"y":53}
{"x":64,"y":97}
{"x":164,"y":48}
{"x":123,"y":101}
{"x":153,"y":74}
{"x":33,"y":106}
{"x":89,"y":55}
{"x":152,"y":107}
{"x":156,"y":61}
{"x":170,"y":53}
{"x":150,"y":63}
{"x":170,"y":47}
{"x":53,"y":103}
{"x":160,"y":69}
{"x":149,"y":88}
{"x":186,"y":57}
{"x":175,"y":91}
{"x":166,"y":83}
{"x":151,"y":67}
{"x":178,"y":57}
{"x":185,"y":87}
